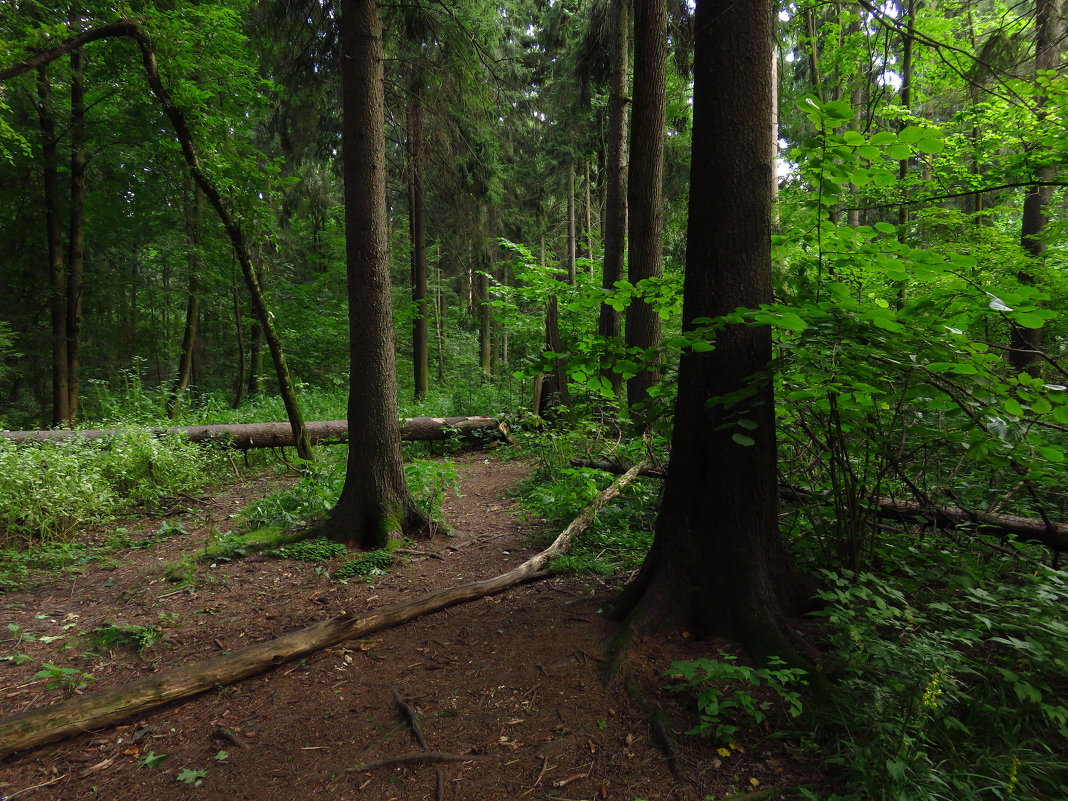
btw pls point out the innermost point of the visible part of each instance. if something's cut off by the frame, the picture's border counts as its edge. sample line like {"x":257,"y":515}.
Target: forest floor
{"x":511,"y":683}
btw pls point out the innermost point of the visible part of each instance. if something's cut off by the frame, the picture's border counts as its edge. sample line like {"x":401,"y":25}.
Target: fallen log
{"x":107,"y":707}
{"x":1053,"y":535}
{"x":245,"y":436}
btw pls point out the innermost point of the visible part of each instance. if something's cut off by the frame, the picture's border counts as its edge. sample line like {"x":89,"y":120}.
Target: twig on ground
{"x":404,"y":759}
{"x":48,"y":783}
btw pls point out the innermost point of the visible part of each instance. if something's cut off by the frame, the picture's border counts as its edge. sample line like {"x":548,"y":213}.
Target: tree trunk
{"x":485,"y":324}
{"x":615,"y":205}
{"x":417,"y":219}
{"x":76,"y":235}
{"x":646,"y":180}
{"x":239,"y":330}
{"x":718,"y":564}
{"x":56,"y":272}
{"x":1026,"y":343}
{"x":572,"y":223}
{"x":374,"y":503}
{"x":192,"y":308}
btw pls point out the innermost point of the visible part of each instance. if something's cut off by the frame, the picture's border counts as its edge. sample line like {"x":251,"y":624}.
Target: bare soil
{"x":509,"y":685}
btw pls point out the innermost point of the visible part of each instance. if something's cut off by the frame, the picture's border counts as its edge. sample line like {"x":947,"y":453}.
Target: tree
{"x":645,"y":182}
{"x":374,"y":501}
{"x":1026,"y":343}
{"x":717,"y":563}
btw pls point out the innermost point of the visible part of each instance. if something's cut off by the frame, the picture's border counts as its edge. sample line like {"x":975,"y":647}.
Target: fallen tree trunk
{"x":245,"y":436}
{"x":1053,"y":535}
{"x":96,"y":710}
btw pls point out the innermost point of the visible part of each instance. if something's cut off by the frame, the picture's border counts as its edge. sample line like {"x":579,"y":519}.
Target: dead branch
{"x":1052,"y":534}
{"x":407,"y":759}
{"x":94,"y":711}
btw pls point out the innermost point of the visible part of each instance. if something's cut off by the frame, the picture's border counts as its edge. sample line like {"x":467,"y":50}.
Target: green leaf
{"x":911,"y":134}
{"x":1028,"y":320}
{"x":952,"y":367}
{"x":742,"y":439}
{"x":885,"y":228}
{"x":791,"y":321}
{"x":899,"y":152}
{"x":838,"y":109}
{"x":883,"y":138}
{"x":930,"y":145}
{"x":1013,"y":407}
{"x":1051,"y":453}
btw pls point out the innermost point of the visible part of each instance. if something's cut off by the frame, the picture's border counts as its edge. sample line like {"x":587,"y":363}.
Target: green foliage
{"x":127,"y":635}
{"x":152,"y":760}
{"x":731,"y":697}
{"x":373,"y":563}
{"x":952,"y":687}
{"x":190,"y":776}
{"x":55,"y":488}
{"x":66,"y":678}
{"x":428,"y":481}
{"x":314,"y":550}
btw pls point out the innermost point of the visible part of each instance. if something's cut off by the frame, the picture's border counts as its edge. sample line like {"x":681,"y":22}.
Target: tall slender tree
{"x":374,"y":502}
{"x":645,"y":182}
{"x":1026,"y":343}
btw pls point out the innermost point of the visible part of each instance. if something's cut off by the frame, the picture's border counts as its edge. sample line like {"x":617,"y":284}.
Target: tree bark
{"x":374,"y":503}
{"x":417,"y":219}
{"x":718,"y":564}
{"x":192,"y":308}
{"x":56,"y":271}
{"x":645,"y":183}
{"x":76,"y":232}
{"x":96,"y":710}
{"x":615,"y":204}
{"x":1026,"y":343}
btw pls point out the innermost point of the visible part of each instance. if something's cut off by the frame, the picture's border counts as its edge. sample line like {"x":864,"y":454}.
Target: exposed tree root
{"x":408,"y":759}
{"x":659,"y":725}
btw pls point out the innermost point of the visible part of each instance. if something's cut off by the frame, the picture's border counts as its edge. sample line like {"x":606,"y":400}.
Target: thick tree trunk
{"x":245,"y":436}
{"x":76,"y":235}
{"x":417,"y":219}
{"x":374,"y":503}
{"x":717,"y":564}
{"x":1026,"y":343}
{"x":56,"y":272}
{"x":615,"y":179}
{"x":96,"y":710}
{"x":645,"y":182}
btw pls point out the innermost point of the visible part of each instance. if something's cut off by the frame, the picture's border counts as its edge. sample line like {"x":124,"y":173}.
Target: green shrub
{"x":373,"y":563}
{"x":316,"y":550}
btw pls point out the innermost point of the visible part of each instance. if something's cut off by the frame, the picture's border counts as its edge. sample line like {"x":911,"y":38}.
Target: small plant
{"x":152,"y":760}
{"x":193,"y":777}
{"x":726,"y":692}
{"x":316,"y":550}
{"x":374,"y":563}
{"x":124,"y":634}
{"x":69,"y":679}
{"x":428,"y":481}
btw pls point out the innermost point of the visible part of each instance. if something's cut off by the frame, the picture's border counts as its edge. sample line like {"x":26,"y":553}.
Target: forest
{"x":617,"y":399}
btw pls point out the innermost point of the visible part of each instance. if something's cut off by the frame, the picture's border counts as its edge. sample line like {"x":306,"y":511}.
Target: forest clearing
{"x":574,"y":400}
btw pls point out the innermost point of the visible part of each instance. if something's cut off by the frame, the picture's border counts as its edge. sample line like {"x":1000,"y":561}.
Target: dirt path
{"x":509,"y":683}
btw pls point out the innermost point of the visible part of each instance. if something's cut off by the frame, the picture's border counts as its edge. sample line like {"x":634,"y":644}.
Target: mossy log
{"x":108,"y":707}
{"x":245,"y":436}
